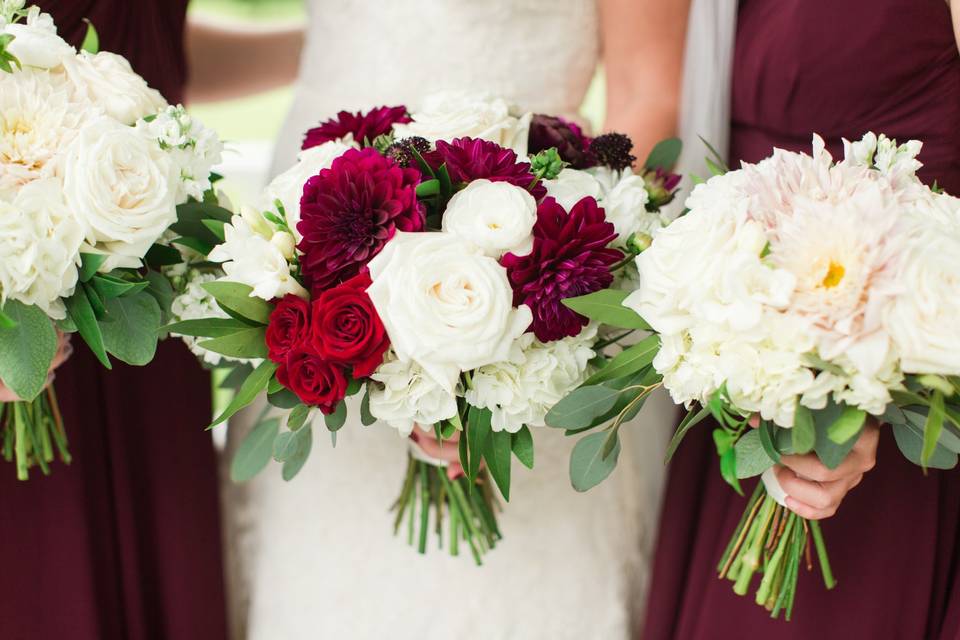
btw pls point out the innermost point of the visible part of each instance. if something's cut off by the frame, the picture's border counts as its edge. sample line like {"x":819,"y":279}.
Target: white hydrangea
{"x":520,"y":391}
{"x":196,"y":303}
{"x":192,"y":147}
{"x":253,"y":253}
{"x":39,"y":247}
{"x":403,"y":395}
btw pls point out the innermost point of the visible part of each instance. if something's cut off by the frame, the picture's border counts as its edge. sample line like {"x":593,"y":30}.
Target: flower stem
{"x":825,"y":568}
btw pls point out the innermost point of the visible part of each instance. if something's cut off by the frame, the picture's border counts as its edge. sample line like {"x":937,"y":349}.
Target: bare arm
{"x":232,"y":61}
{"x":643,"y":44}
{"x":955,"y":12}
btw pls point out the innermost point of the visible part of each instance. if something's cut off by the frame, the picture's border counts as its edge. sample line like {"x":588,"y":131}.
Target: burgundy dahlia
{"x":363,"y":126}
{"x":566,"y":137}
{"x":470,"y":159}
{"x":349,"y":211}
{"x":570,"y":258}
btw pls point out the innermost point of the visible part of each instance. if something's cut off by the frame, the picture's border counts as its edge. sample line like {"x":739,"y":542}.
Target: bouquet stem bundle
{"x":32,"y":433}
{"x":459,"y":510}
{"x":772,"y":540}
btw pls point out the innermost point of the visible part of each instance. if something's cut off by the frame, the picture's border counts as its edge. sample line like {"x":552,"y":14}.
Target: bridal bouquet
{"x":811,"y":294}
{"x":419,"y":262}
{"x":93,"y":164}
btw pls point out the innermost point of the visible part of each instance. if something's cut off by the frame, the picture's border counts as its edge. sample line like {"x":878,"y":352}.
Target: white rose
{"x":923,"y":319}
{"x":288,"y":186}
{"x":39,"y":247}
{"x":107,"y":80}
{"x":36,"y":43}
{"x":122,"y":186}
{"x":39,"y":118}
{"x":406,"y":395}
{"x":497,"y":217}
{"x":571,"y":186}
{"x":520,"y":391}
{"x":455,"y":114}
{"x":624,"y":199}
{"x":445,"y":305}
{"x":251,"y":259}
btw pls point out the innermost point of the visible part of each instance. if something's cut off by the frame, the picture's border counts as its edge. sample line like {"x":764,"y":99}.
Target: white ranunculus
{"x":107,"y":80}
{"x":36,"y":43}
{"x":454,"y":114}
{"x":39,"y":247}
{"x":406,"y":395}
{"x":192,"y":147}
{"x":573,"y":185}
{"x":123,"y":188}
{"x":521,"y":390}
{"x":39,"y":118}
{"x":251,"y":259}
{"x":444,"y":304}
{"x":497,"y":217}
{"x":924,"y":319}
{"x":288,"y":186}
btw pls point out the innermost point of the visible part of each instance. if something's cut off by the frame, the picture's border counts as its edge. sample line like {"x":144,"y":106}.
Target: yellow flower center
{"x":17,"y":125}
{"x":834,"y":275}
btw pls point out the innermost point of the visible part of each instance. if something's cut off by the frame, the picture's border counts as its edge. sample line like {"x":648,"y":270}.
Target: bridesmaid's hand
{"x":64,"y":350}
{"x":448,"y":451}
{"x":815,"y":491}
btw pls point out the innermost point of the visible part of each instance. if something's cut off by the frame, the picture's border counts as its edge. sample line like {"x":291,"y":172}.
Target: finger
{"x":434,"y":449}
{"x":754,"y":420}
{"x":455,"y":471}
{"x":810,"y":467}
{"x":6,"y":395}
{"x":820,"y":495}
{"x":808,"y":512}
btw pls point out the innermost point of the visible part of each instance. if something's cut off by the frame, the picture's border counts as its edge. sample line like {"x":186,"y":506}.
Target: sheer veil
{"x":705,"y":106}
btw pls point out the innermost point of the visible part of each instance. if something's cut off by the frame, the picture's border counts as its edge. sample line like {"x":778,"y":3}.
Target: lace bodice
{"x":540,"y":54}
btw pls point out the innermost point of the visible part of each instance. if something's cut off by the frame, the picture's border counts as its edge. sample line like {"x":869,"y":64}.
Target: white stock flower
{"x":288,"y":186}
{"x":38,"y":120}
{"x":444,"y":304}
{"x":897,"y":162}
{"x":107,"y":80}
{"x":122,"y":186}
{"x":196,"y":303}
{"x":251,"y":259}
{"x":521,"y":390}
{"x":924,"y":318}
{"x":36,"y":43}
{"x":39,"y":247}
{"x":454,"y":114}
{"x":497,"y":217}
{"x":404,"y":395}
{"x":192,"y":147}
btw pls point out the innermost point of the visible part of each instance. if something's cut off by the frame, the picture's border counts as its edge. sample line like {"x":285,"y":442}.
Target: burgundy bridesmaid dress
{"x":124,"y":543}
{"x":839,"y":68}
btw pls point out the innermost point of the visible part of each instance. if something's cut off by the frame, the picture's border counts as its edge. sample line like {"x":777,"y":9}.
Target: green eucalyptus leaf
{"x":752,"y":458}
{"x":804,"y":433}
{"x":251,"y":387}
{"x":80,"y":311}
{"x":27,"y":349}
{"x":366,"y":418}
{"x":581,"y":407}
{"x":237,"y":298}
{"x":478,"y":432}
{"x":588,"y":466}
{"x":298,"y":416}
{"x":497,"y":455}
{"x":336,"y":420}
{"x":664,"y":155}
{"x":692,"y":419}
{"x":606,"y":306}
{"x":246,"y":343}
{"x":215,"y":227}
{"x":847,"y":425}
{"x":933,"y":428}
{"x":628,"y":361}
{"x":89,"y":264}
{"x":91,"y":41}
{"x":196,"y":244}
{"x":238,"y":372}
{"x":108,"y":286}
{"x":207,"y":327}
{"x":909,"y":439}
{"x":522,"y":446}
{"x":830,"y":453}
{"x":283,"y":398}
{"x":131,"y":328}
{"x":255,"y":452}
{"x":293,"y":465}
{"x":162,"y":256}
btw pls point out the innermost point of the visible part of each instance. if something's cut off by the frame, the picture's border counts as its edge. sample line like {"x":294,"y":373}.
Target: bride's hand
{"x":815,"y":491}
{"x":447,"y":451}
{"x":64,"y":350}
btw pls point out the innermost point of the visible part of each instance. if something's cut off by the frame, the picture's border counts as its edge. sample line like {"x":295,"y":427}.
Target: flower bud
{"x":285,"y":242}
{"x":256,"y":221}
{"x":639,"y":242}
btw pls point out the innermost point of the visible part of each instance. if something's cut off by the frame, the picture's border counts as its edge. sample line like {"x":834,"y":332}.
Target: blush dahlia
{"x":470,"y":159}
{"x":364,"y":127}
{"x":570,"y":258}
{"x":349,"y":211}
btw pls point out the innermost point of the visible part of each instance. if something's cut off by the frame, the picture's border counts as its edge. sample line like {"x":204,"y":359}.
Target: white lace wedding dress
{"x":315,"y":558}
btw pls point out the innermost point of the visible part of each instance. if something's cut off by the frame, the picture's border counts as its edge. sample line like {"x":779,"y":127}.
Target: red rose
{"x":346,"y":328}
{"x":315,"y":381}
{"x":289,"y":326}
